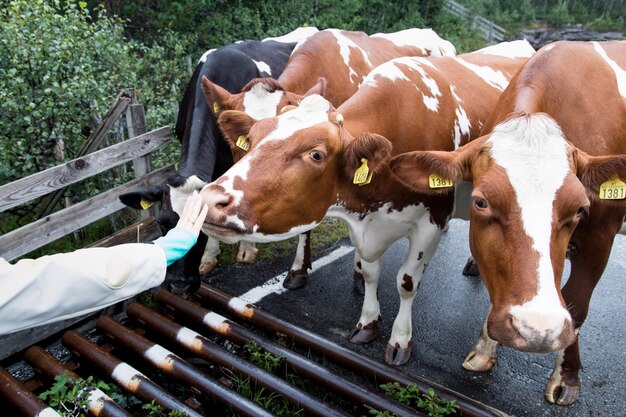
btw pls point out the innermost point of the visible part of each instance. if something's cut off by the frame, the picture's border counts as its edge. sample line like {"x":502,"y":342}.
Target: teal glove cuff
{"x":176,"y":243}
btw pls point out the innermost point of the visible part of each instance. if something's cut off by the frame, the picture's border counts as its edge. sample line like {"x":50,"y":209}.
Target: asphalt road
{"x":448,"y":313}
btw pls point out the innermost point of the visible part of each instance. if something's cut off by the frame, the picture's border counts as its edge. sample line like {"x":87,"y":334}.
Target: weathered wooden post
{"x":136,"y":125}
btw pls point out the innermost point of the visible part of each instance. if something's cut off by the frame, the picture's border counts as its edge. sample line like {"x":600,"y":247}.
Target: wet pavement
{"x":448,"y":313}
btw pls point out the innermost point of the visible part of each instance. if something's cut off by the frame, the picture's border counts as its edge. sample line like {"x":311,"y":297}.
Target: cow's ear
{"x":235,"y":126}
{"x":142,"y":198}
{"x":364,"y":156}
{"x":217,"y":97}
{"x":598,"y":172}
{"x":319,"y":88}
{"x":435,"y":171}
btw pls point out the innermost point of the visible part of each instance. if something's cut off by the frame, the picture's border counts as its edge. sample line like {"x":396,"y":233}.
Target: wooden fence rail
{"x":491,"y":32}
{"x":60,"y":176}
{"x":52,"y":182}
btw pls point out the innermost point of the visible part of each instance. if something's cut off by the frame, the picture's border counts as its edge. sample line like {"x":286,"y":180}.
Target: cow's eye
{"x":480,"y":203}
{"x":582,"y":210}
{"x":317,"y":156}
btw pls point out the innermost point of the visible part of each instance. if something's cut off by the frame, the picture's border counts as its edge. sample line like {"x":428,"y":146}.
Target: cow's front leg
{"x":564,"y":385}
{"x":422,"y":244}
{"x":590,"y":249}
{"x":299,"y":271}
{"x":209,"y":257}
{"x":484,"y":354}
{"x":367,"y":328}
{"x":358,"y":282}
{"x":247,"y":252}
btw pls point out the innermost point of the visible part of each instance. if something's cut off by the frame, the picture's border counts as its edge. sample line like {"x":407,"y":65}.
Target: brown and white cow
{"x":341,"y":58}
{"x":332,"y":63}
{"x":303,"y":165}
{"x":546,"y":175}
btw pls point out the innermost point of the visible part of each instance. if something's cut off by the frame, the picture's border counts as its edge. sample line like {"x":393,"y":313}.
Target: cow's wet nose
{"x":218,"y":202}
{"x":543,"y":330}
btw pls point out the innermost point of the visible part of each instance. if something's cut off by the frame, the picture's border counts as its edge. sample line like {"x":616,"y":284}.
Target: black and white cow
{"x":205,"y":155}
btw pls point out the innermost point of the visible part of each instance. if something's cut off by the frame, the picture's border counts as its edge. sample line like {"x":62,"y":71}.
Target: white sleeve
{"x":61,"y":286}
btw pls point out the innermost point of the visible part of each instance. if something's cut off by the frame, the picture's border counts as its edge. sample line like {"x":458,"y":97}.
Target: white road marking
{"x":275,"y":285}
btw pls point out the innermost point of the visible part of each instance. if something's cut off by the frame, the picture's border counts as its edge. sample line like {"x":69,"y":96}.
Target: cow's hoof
{"x":247,"y":252}
{"x":365,"y":334}
{"x":206,"y":267}
{"x":477,"y":362}
{"x":471,"y":269}
{"x":358,"y":283}
{"x":183,"y":287}
{"x":395,"y":355}
{"x":295,"y":280}
{"x":558,"y":392}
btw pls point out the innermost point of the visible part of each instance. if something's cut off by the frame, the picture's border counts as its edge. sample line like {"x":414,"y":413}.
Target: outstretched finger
{"x":190,"y":210}
{"x":199,"y":221}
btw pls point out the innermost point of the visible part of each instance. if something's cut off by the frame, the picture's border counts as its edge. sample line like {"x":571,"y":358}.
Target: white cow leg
{"x":423,"y":242}
{"x":483,"y":355}
{"x":563,"y":385}
{"x":367,"y":328}
{"x":209,"y":257}
{"x":299,"y":271}
{"x":247,"y":252}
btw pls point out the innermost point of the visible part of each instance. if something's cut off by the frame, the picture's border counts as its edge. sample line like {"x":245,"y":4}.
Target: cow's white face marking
{"x":425,"y":39}
{"x":205,"y":55}
{"x":260,"y":103}
{"x":462,"y":123}
{"x":312,"y":110}
{"x":344,"y":49}
{"x":263,"y":67}
{"x":620,"y":74}
{"x":179,"y":195}
{"x":514,"y":49}
{"x":492,"y":77}
{"x":533,"y":153}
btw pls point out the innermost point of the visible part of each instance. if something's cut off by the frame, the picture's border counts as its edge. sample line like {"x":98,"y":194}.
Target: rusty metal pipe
{"x":238,"y":334}
{"x":203,"y":347}
{"x":99,"y":403}
{"x":354,"y":361}
{"x":174,"y":366}
{"x":123,"y":374}
{"x":25,"y":402}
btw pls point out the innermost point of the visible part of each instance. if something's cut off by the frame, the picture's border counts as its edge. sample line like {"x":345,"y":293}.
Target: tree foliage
{"x":597,"y":14}
{"x":55,"y":61}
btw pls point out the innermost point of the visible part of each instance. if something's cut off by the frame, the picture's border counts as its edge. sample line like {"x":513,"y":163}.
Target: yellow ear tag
{"x":216,"y":108}
{"x":145,"y":204}
{"x":437,"y":181}
{"x":362,"y":175}
{"x":613,"y":189}
{"x":242,"y":143}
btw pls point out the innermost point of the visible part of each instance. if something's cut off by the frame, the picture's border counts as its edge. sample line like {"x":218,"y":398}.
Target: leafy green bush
{"x":55,"y":60}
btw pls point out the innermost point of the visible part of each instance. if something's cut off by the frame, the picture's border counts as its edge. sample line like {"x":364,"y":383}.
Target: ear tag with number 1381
{"x":437,"y":181}
{"x":613,"y":189}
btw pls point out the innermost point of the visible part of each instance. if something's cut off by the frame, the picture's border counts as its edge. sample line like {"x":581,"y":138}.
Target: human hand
{"x":193,"y":215}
